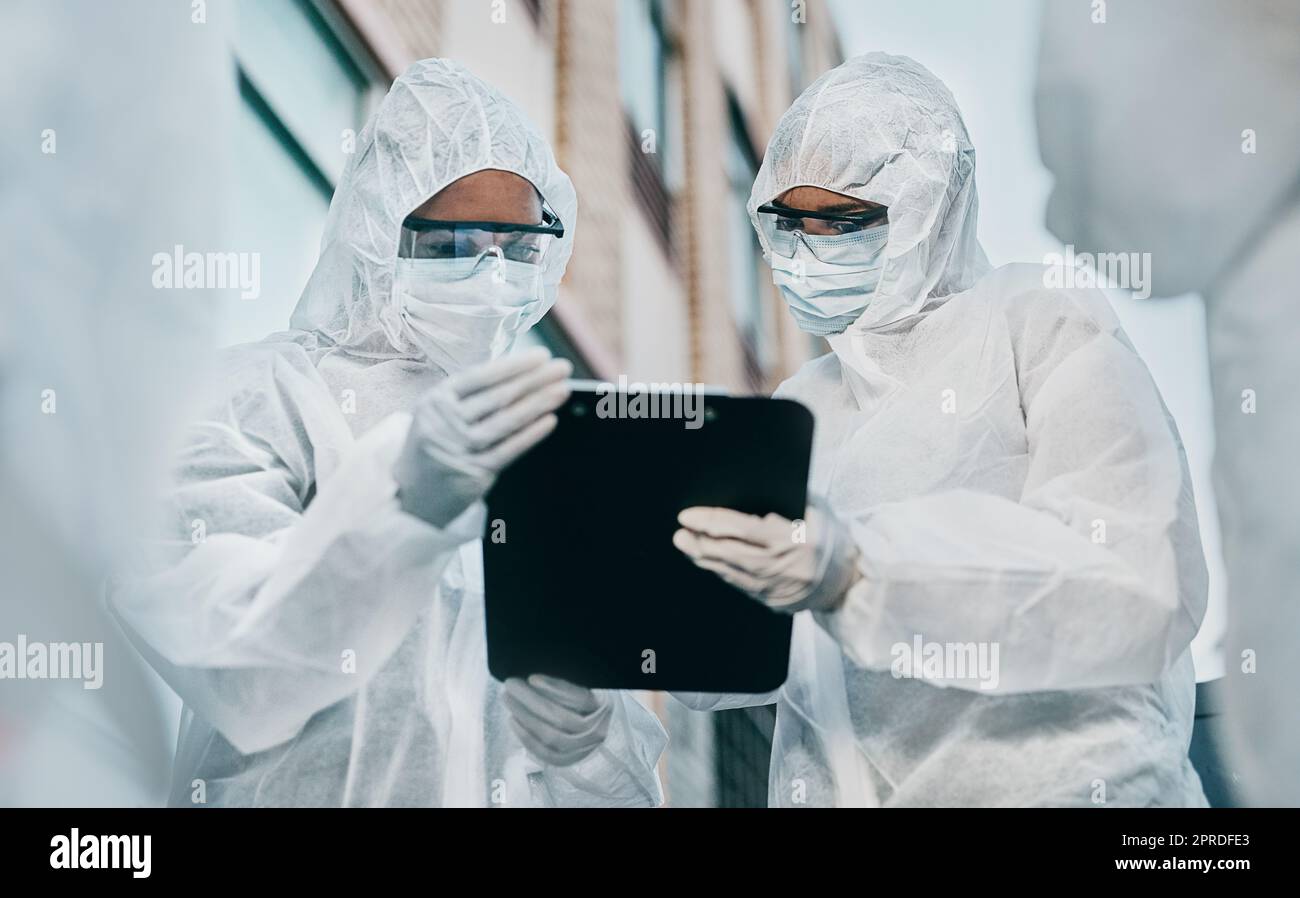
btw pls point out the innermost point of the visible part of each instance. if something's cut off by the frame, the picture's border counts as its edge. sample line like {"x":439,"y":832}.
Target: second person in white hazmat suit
{"x":996,"y":474}
{"x":318,"y":603}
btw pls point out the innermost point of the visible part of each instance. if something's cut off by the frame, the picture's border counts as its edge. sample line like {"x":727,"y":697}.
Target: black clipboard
{"x":581,"y":577}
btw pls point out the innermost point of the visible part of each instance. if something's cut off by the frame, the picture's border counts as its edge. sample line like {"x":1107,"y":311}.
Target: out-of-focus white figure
{"x":112,"y":152}
{"x":1014,"y":491}
{"x":1173,"y":127}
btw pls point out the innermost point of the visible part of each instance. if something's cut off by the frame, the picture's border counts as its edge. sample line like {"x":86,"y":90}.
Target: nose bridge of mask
{"x":491,"y":259}
{"x":490,"y":265}
{"x":830,"y":259}
{"x":854,"y":249}
{"x":500,"y":266}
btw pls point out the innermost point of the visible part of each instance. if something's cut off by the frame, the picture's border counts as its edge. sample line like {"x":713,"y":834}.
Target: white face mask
{"x":465,"y":311}
{"x":828,"y":291}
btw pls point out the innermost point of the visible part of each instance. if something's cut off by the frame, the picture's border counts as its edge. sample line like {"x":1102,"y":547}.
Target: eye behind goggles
{"x":424,"y":238}
{"x":785,"y":227}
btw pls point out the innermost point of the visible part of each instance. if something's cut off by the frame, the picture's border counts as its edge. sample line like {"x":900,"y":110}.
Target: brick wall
{"x":591,"y":145}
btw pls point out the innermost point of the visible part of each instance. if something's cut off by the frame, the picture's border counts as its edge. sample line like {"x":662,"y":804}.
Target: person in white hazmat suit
{"x":1000,"y":572}
{"x":1200,"y":167}
{"x":318,"y":604}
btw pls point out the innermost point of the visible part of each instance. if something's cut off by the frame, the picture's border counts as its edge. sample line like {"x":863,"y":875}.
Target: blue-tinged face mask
{"x":828,"y":279}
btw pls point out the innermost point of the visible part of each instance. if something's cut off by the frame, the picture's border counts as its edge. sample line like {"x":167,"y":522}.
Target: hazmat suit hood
{"x":437,"y":124}
{"x":884,"y":129}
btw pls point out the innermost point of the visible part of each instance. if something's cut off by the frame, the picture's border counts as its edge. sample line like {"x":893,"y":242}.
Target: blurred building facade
{"x":659,"y":110}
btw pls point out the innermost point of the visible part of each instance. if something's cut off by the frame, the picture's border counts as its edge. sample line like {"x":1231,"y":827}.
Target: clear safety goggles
{"x":823,"y":233}
{"x":424,"y":238}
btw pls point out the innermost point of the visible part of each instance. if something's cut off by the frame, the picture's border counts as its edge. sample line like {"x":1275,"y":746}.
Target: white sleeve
{"x":278,"y":611}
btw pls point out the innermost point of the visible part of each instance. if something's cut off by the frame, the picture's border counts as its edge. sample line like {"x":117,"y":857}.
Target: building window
{"x":644,"y":58}
{"x":303,"y":90}
{"x":643,"y":68}
{"x":745,"y":256}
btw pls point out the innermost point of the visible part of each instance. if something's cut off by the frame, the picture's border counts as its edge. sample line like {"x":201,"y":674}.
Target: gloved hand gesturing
{"x":468,"y":428}
{"x":559,"y":723}
{"x":786,"y":567}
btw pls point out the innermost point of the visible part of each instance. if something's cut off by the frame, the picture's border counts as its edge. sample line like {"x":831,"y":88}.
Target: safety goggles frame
{"x":862,"y":220}
{"x":550,"y":226}
{"x":783,"y":242}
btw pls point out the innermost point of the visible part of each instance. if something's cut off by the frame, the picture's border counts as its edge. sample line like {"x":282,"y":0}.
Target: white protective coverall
{"x":1011,"y":478}
{"x":1174,"y":129}
{"x":330,"y":648}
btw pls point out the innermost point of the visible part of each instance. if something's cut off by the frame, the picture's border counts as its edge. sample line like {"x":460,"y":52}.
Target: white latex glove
{"x":784,"y":565}
{"x":468,"y":428}
{"x":559,"y":723}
